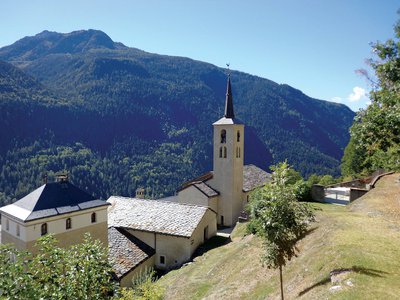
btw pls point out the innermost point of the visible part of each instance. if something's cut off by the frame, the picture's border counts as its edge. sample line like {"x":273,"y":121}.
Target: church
{"x":142,"y":233}
{"x":165,"y":233}
{"x":225,"y":189}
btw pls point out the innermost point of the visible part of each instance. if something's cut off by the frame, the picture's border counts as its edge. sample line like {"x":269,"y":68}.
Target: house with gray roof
{"x":59,"y":208}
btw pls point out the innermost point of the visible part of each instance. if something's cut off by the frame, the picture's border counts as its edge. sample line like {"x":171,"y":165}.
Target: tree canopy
{"x":375,"y":133}
{"x":79,"y":272}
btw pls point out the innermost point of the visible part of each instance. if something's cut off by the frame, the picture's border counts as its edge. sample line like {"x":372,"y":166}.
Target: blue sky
{"x":312,"y":45}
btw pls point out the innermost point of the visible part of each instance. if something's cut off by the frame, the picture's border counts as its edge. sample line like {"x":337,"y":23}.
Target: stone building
{"x":149,"y":233}
{"x":59,"y":208}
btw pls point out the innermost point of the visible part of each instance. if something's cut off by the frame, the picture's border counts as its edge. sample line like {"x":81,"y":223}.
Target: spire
{"x":229,"y":101}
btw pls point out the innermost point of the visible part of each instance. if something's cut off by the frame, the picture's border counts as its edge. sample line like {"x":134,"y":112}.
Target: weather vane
{"x":229,"y":71}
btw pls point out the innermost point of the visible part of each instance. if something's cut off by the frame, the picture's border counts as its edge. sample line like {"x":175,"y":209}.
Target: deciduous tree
{"x":79,"y":272}
{"x":279,"y":219}
{"x":375,"y":133}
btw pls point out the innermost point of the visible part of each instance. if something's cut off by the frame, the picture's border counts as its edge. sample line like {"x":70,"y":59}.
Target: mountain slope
{"x":118,"y":98}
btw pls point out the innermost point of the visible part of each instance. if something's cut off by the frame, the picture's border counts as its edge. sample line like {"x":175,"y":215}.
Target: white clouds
{"x":357,"y":94}
{"x":356,"y":100}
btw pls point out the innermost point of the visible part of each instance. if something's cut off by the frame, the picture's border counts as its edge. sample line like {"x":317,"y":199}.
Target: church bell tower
{"x":228,"y":162}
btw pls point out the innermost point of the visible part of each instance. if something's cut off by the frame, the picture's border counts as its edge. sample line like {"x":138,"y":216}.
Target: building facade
{"x":167,"y":232}
{"x":59,"y":208}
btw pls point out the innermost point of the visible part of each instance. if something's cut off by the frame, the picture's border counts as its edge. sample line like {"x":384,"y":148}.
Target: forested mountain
{"x":117,"y":117}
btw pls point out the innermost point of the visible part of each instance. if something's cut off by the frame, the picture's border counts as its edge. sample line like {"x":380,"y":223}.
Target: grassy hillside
{"x":363,"y":237}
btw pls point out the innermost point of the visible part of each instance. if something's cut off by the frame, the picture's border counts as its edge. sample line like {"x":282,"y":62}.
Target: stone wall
{"x":357,"y":193}
{"x":318,"y":193}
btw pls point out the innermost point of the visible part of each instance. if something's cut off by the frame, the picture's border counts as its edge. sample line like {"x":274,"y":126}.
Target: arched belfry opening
{"x":223,"y":136}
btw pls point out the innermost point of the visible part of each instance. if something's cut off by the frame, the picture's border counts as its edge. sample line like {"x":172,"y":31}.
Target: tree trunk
{"x":280,"y":277}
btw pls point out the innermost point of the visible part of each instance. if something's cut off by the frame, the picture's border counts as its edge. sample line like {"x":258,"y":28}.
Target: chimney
{"x":44,"y":178}
{"x":62,"y":177}
{"x":140,"y":193}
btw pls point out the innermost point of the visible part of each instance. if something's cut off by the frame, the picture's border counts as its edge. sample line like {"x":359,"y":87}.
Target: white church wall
{"x":208,"y":223}
{"x":191,"y":195}
{"x":174,"y":249}
{"x":126,"y":281}
{"x":145,"y":236}
{"x":228,"y":171}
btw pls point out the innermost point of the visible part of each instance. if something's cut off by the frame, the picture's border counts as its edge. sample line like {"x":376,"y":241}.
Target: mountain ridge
{"x":116,"y":97}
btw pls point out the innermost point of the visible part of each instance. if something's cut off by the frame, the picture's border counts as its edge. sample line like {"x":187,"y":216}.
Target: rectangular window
{"x":162,"y":259}
{"x":68,"y":224}
{"x":18,"y":232}
{"x":7,"y":225}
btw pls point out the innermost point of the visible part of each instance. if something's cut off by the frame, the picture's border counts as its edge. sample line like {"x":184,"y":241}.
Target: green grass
{"x":342,"y":238}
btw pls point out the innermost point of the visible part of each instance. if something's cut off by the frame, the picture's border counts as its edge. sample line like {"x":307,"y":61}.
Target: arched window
{"x":223,"y":136}
{"x":94,"y":217}
{"x":224,"y":152}
{"x":68,"y":223}
{"x":238,"y":136}
{"x":220,"y":151}
{"x":43,"y":229}
{"x":237,"y":152}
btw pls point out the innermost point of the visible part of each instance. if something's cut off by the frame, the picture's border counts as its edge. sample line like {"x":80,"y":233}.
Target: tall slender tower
{"x":228,"y":162}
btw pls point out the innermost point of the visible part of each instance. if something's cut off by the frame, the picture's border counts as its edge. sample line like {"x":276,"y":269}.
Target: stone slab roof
{"x":126,"y":252}
{"x":51,"y":199}
{"x":206,"y":189}
{"x":254,"y":177}
{"x":202,"y":186}
{"x":163,"y":217}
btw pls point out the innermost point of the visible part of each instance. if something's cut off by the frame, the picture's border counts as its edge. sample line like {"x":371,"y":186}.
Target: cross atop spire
{"x":229,"y":101}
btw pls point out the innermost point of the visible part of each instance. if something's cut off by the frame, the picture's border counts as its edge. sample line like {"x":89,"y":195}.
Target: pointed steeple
{"x":229,"y":101}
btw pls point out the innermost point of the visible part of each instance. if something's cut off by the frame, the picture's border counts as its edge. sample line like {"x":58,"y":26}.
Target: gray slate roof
{"x":206,"y":189}
{"x":51,"y":199}
{"x":154,"y":216}
{"x":254,"y":177}
{"x":202,"y":186}
{"x":126,"y":252}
